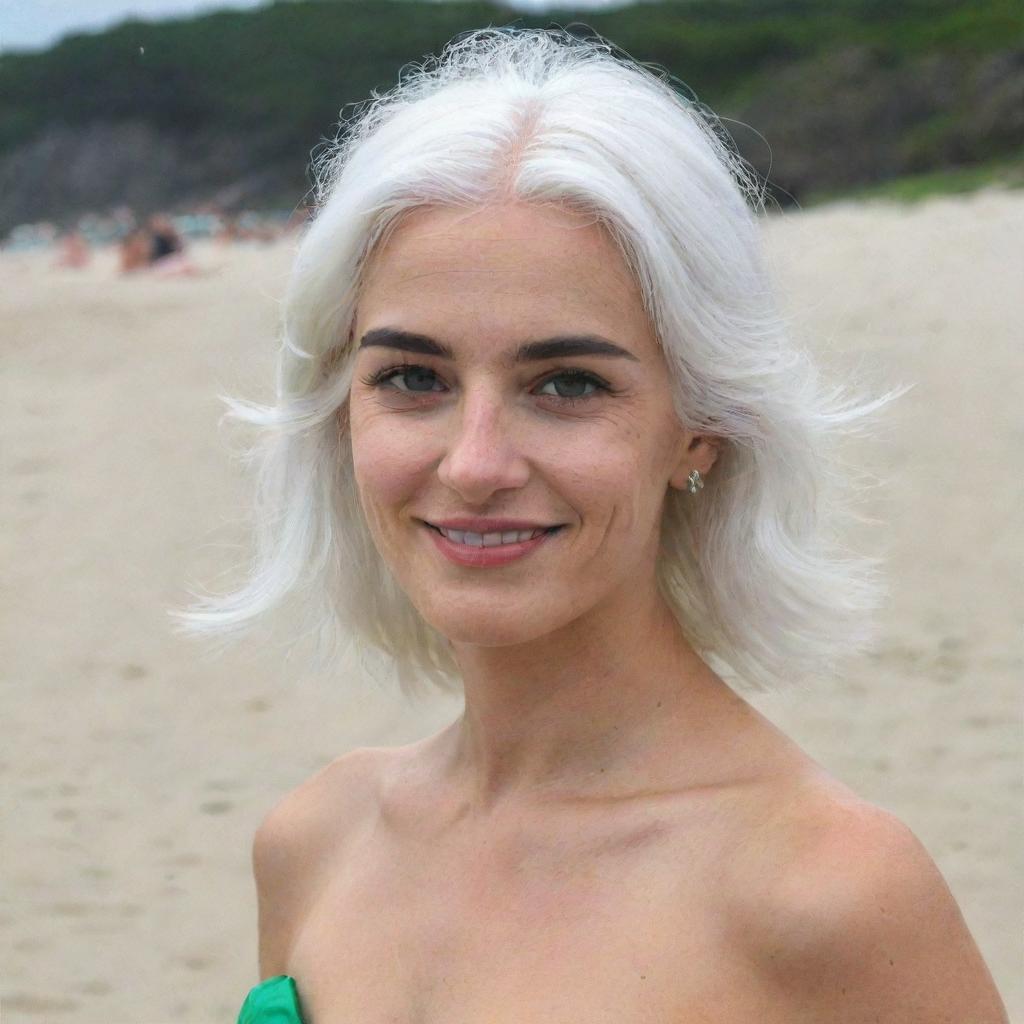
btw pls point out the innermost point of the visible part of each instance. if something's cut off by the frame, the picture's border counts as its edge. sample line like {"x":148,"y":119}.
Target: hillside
{"x":228,"y":106}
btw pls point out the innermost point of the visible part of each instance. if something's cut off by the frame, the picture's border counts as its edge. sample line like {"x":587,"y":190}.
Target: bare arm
{"x":867,"y":930}
{"x":274,"y":867}
{"x":294,"y":848}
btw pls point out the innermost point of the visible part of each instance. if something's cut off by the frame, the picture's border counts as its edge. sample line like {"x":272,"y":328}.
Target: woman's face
{"x":511,"y":421}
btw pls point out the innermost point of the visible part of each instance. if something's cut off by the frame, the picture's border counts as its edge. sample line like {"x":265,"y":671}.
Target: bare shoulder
{"x":297,"y":840}
{"x":846,"y":913}
{"x":313,"y":809}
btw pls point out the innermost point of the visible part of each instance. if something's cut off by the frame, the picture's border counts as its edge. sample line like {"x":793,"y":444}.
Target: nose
{"x":481,"y":455}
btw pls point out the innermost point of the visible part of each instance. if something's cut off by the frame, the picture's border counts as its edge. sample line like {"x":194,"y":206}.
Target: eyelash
{"x":381,"y":377}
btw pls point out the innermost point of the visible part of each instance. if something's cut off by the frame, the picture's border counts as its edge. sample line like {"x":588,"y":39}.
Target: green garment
{"x":273,"y":1001}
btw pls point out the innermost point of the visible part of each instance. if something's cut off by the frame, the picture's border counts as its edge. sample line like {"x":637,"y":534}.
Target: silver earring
{"x":695,"y":482}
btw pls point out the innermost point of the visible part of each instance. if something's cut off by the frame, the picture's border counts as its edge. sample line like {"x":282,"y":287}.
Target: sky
{"x":38,"y":24}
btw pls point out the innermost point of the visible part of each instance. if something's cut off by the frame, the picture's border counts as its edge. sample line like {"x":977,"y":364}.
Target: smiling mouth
{"x":491,"y":540}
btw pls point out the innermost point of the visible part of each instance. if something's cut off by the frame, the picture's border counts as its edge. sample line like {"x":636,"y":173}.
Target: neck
{"x":564,"y":713}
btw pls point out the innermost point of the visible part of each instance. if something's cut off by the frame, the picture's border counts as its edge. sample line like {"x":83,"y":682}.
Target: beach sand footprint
{"x":216,"y":806}
{"x":27,"y":1002}
{"x":95,"y":987}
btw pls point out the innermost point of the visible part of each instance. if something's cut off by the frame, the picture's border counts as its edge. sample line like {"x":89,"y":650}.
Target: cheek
{"x":611,"y":480}
{"x":388,"y":469}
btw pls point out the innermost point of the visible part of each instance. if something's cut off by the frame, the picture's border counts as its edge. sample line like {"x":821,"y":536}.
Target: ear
{"x":697,"y":451}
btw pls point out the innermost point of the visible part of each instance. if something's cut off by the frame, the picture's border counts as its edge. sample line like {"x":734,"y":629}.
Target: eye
{"x":567,"y":386}
{"x":411,"y":379}
{"x":572,"y":385}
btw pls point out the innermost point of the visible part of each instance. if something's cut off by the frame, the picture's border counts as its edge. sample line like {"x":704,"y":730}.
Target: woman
{"x":541,"y":435}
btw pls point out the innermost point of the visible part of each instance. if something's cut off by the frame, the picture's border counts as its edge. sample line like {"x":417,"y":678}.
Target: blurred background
{"x":153,"y":183}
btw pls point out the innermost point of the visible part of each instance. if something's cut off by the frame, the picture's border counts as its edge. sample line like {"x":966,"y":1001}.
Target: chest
{"x":623,"y":928}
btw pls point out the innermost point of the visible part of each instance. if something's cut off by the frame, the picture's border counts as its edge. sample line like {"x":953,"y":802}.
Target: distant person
{"x":542,"y":437}
{"x":158,"y":247}
{"x":164,"y":239}
{"x":135,"y":251}
{"x":73,"y":251}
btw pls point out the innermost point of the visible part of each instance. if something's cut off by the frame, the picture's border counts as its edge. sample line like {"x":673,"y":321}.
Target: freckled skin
{"x":485,"y":283}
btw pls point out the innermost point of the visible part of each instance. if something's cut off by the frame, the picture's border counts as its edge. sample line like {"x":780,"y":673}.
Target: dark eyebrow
{"x":549,"y":348}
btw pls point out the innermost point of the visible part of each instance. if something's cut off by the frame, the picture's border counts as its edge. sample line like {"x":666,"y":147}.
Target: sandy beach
{"x":136,"y":765}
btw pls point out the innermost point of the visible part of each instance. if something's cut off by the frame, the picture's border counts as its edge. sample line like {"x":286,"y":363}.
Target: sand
{"x":135,"y":767}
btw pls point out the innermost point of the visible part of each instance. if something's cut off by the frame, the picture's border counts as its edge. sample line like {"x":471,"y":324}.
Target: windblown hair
{"x":754,"y":566}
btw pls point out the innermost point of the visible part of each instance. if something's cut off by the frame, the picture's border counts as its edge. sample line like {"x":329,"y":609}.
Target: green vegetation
{"x":846,"y":93}
{"x":287,"y":68}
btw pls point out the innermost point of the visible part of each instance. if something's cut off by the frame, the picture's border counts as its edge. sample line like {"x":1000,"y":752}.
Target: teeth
{"x":490,"y":540}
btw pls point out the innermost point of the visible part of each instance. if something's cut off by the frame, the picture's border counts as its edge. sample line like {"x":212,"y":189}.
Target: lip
{"x":483,"y":558}
{"x":477,"y":525}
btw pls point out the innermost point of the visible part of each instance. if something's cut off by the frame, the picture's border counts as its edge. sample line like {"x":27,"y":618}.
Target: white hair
{"x":754,"y":566}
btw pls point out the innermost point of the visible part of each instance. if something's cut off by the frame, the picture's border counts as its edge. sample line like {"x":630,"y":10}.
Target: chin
{"x":485,"y":624}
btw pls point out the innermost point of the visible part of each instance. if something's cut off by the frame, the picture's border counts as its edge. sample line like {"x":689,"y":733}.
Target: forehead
{"x":513,"y":268}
